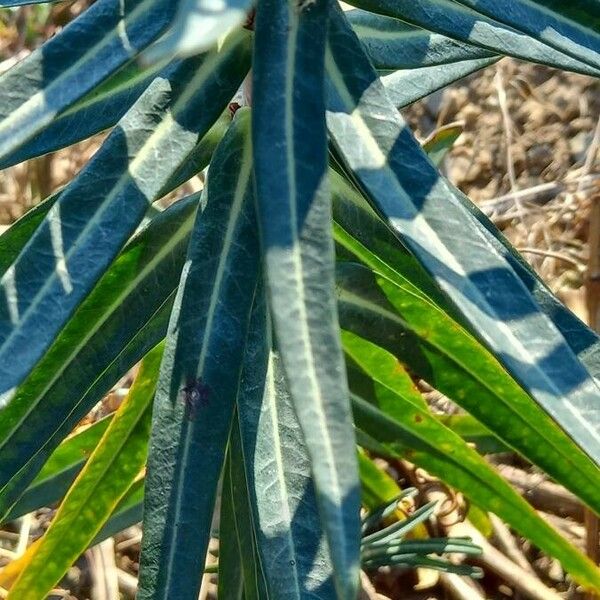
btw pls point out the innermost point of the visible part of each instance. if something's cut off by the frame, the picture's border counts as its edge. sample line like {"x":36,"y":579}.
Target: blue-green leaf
{"x":407,"y":86}
{"x":92,"y":47}
{"x":200,"y":375}
{"x":98,"y":110}
{"x":423,"y":210}
{"x":393,"y":44}
{"x":122,"y":319}
{"x":286,"y":516}
{"x":294,"y":212}
{"x":449,"y":18}
{"x":572,"y":27}
{"x":254,"y":586}
{"x":78,"y":240}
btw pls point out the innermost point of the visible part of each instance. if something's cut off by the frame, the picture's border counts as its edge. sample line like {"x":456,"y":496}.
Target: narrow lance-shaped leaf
{"x":231,"y":558}
{"x":98,"y":110}
{"x":78,"y":240}
{"x":60,"y":470}
{"x":572,"y":27}
{"x":294,"y":212}
{"x":254,"y":585}
{"x":121,"y":320}
{"x":388,"y":408}
{"x":96,"y":44}
{"x":407,"y":86}
{"x":398,"y":308}
{"x":423,"y":210}
{"x":292,"y":547}
{"x":451,"y":19}
{"x":392,"y":44}
{"x":200,"y":375}
{"x":583,"y":341}
{"x":107,"y":476}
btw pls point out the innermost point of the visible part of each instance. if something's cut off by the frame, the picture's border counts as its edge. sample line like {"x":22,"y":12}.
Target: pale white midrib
{"x":271,"y":395}
{"x":297,"y":271}
{"x":162,"y":131}
{"x":443,"y":251}
{"x":164,"y":251}
{"x":36,"y":101}
{"x":234,"y":215}
{"x":367,"y":32}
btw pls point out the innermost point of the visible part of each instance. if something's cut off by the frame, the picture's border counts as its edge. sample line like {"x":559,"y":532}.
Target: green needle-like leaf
{"x":423,"y":210}
{"x":200,"y":375}
{"x":78,"y":240}
{"x":105,"y":479}
{"x":294,"y":213}
{"x":388,"y":408}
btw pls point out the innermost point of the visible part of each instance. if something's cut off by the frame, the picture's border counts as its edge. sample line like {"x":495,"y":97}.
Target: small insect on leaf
{"x":195,"y":395}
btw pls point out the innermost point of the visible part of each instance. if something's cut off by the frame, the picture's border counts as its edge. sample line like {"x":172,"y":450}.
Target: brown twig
{"x":542,"y":494}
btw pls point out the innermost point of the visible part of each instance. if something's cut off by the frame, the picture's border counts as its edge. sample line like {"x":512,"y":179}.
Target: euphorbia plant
{"x":243,"y":283}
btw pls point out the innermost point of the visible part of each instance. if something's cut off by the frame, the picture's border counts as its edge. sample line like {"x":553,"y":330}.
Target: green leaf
{"x":78,"y":240}
{"x":60,"y":470}
{"x":473,"y":432}
{"x":197,"y":27}
{"x":278,"y":469}
{"x":105,"y":479}
{"x":438,"y":350}
{"x":392,"y":44}
{"x":449,"y":18}
{"x":573,"y":28}
{"x":377,"y":486}
{"x":200,"y":375}
{"x":122,"y":319}
{"x":386,"y":409}
{"x":290,"y":142}
{"x":126,"y":514}
{"x":254,"y":585}
{"x":231,"y":557}
{"x":377,"y":148}
{"x":441,"y":142}
{"x":92,"y":47}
